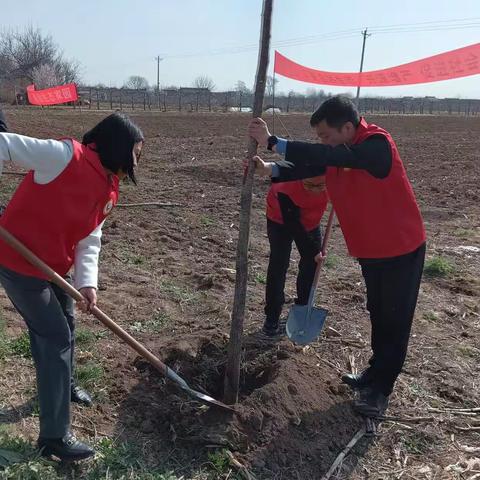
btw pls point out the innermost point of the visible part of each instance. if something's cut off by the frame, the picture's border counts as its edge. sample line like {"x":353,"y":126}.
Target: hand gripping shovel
{"x":108,"y":322}
{"x":305,"y":322}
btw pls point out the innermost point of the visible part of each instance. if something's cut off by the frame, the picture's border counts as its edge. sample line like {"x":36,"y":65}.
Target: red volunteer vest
{"x":312,"y":205}
{"x":51,"y":219}
{"x":379,"y":218}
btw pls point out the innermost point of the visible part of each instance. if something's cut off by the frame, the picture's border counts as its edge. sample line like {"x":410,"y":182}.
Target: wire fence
{"x":203,"y":100}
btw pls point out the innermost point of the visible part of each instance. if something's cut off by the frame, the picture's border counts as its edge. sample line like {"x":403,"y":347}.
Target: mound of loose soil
{"x":291,"y":408}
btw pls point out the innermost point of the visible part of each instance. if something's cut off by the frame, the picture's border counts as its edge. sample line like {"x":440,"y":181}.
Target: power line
{"x":430,"y":26}
{"x":428,"y":29}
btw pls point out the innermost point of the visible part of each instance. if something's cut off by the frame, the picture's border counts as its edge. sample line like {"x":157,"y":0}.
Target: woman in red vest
{"x":294,"y":211}
{"x":380,"y":220}
{"x":58,"y":211}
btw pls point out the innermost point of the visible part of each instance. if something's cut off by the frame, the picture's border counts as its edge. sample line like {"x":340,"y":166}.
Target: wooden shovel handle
{"x":320,"y":263}
{"x":76,"y":295}
{"x":328,"y":229}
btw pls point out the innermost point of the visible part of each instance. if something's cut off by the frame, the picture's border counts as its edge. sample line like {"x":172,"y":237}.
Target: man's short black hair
{"x":336,"y":111}
{"x":114,"y":138}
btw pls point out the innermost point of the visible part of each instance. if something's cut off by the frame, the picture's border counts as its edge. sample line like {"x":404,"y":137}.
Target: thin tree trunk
{"x":232,"y":373}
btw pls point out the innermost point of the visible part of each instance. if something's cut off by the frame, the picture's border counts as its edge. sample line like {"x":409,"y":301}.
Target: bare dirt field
{"x":167,"y":276}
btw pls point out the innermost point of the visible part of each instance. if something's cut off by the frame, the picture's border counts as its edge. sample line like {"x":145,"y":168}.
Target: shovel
{"x":305,"y":322}
{"x":108,"y":322}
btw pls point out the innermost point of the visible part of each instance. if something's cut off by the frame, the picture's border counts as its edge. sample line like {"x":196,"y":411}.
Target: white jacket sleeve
{"x":86,"y":260}
{"x":47,"y":158}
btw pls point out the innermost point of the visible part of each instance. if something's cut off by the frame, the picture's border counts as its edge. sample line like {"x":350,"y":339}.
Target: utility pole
{"x":158,"y":59}
{"x":365,"y":35}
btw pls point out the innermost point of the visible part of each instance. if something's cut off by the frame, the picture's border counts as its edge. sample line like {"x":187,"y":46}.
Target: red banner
{"x":453,"y":64}
{"x":52,"y":96}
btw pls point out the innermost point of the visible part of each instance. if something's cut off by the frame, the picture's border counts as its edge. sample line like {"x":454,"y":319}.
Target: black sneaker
{"x":67,"y":448}
{"x":370,"y":402}
{"x":358,"y":380}
{"x":78,"y":395}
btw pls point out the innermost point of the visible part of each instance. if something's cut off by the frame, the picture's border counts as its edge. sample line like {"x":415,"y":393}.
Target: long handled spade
{"x":305,"y":322}
{"x":108,"y":322}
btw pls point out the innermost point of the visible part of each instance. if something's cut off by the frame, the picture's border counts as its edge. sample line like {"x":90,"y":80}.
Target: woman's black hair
{"x":114,"y":138}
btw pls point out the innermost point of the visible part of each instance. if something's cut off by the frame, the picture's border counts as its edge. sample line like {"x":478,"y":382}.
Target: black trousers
{"x":392,"y":292}
{"x":49,"y":314}
{"x":281,"y":238}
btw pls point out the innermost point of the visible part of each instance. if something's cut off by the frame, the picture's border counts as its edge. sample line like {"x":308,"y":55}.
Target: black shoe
{"x":270,"y":330}
{"x":273,"y":329}
{"x":357,"y":380}
{"x":78,"y":395}
{"x":371,"y":402}
{"x":67,"y":448}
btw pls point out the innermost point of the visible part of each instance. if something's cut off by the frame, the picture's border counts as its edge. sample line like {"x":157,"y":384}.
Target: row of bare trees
{"x":136,"y":82}
{"x":30,"y":56}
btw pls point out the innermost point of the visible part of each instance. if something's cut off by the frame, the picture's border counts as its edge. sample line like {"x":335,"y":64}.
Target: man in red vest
{"x":294,"y":211}
{"x":381,"y":223}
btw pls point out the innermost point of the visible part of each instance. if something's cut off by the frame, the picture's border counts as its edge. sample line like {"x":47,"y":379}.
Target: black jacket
{"x":304,"y":160}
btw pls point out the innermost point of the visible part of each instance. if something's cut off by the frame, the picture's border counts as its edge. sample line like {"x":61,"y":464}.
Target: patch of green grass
{"x":21,"y":460}
{"x":431,"y":316}
{"x":220,"y":461}
{"x":4,"y":344}
{"x":116,"y":458}
{"x":207,"y":221}
{"x":465,"y":233}
{"x":438,"y":267}
{"x":15,"y":444}
{"x":138,"y":260}
{"x":115,"y":461}
{"x":468,"y":351}
{"x":84,"y":338}
{"x":160,"y":320}
{"x":89,"y":375}
{"x":21,"y":345}
{"x":417,"y":390}
{"x":260,"y":278}
{"x":435,"y":402}
{"x":101,"y":334}
{"x":418,"y":443}
{"x":332,"y":261}
{"x":37,"y":469}
{"x":130,"y":257}
{"x":122,"y":461}
{"x":178,"y":293}
{"x":7,"y":189}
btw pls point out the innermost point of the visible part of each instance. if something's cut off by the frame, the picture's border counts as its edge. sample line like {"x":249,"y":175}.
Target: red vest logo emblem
{"x":108,"y":207}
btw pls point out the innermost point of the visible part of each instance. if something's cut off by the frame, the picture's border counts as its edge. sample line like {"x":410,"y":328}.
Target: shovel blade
{"x":194,"y":393}
{"x":303,"y":330}
{"x":208,"y":400}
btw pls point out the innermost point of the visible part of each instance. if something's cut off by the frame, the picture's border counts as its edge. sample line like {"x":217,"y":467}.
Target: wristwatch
{"x":272,"y":140}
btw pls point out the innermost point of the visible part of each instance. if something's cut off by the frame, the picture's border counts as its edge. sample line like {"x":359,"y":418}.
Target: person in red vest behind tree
{"x":57,"y":212}
{"x":294,"y":211}
{"x":381,"y":223}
